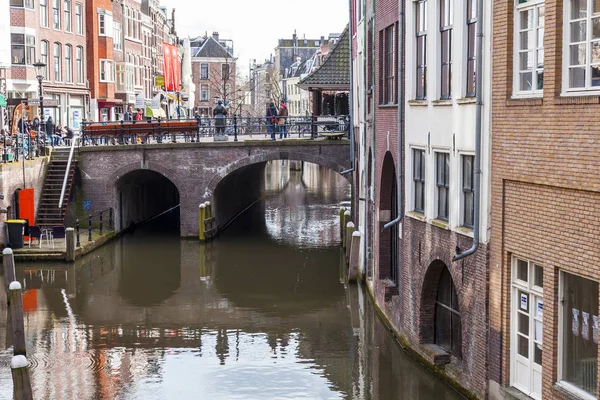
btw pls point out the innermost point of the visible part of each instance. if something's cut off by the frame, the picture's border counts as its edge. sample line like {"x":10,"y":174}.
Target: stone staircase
{"x":49,"y":214}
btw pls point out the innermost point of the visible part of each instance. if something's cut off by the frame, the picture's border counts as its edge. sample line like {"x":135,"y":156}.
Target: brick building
{"x":53,"y":32}
{"x":546,"y":205}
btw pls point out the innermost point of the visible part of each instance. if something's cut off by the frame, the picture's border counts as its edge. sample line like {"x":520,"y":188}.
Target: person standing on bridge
{"x":128,"y":116}
{"x":283,"y":114}
{"x":272,"y":120}
{"x":220,"y":112}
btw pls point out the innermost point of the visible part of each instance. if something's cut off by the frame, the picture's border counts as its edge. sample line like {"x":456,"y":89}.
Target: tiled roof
{"x":334,"y":73}
{"x":212,"y":48}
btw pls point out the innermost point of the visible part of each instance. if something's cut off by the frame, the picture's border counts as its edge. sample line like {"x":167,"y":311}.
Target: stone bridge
{"x":140,"y":181}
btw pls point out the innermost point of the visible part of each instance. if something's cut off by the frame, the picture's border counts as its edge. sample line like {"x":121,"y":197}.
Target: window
{"x":203,"y":71}
{"x":578,"y":337}
{"x":467,"y":190}
{"x":56,"y":14}
{"x":106,"y":71}
{"x":22,"y":3}
{"x":419,"y":179}
{"x":448,"y":327}
{"x":387,"y":67}
{"x":527,"y":327}
{"x":22,"y":49}
{"x":529,"y":27}
{"x":79,"y":63}
{"x":44,"y":13}
{"x":443,"y":183}
{"x":79,"y":18}
{"x":446,"y":17}
{"x":203,"y":92}
{"x":225,"y":72}
{"x":68,"y":63}
{"x":471,"y":42}
{"x":57,"y":56}
{"x":67,"y":15}
{"x":583,"y":39}
{"x":421,"y":45}
{"x":44,"y":46}
{"x":118,"y":35}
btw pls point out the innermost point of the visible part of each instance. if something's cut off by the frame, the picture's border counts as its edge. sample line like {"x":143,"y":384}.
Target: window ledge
{"x":439,"y":223}
{"x":416,"y":215}
{"x":524,"y":101}
{"x":417,"y":102}
{"x":465,"y":230}
{"x":442,"y":102}
{"x":511,"y":393}
{"x":387,"y":106}
{"x":565,"y":99}
{"x":436,"y":355}
{"x":466,"y":100}
{"x":566,"y":392}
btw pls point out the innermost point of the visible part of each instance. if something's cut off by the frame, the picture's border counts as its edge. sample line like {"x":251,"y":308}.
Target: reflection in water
{"x":260,"y":313}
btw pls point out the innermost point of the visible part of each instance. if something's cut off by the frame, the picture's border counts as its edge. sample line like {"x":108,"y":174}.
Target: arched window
{"x":57,"y":62}
{"x":68,"y":63}
{"x":447,"y":316}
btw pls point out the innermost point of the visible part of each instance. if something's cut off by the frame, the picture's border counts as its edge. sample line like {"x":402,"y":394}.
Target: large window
{"x":579,"y":334}
{"x":419,"y":179}
{"x":118,"y":36}
{"x":44,"y":48}
{"x":583,"y":39}
{"x":22,"y":3}
{"x":471,"y":42}
{"x":57,"y":62}
{"x":443,"y":184}
{"x":527,"y":312}
{"x":79,"y":63}
{"x":389,"y":69}
{"x":67,"y":15}
{"x":448,"y":327}
{"x":106,"y":71}
{"x":56,"y":14}
{"x":203,"y":92}
{"x":529,"y":45}
{"x":467,"y":190}
{"x":22,"y":49}
{"x":68,"y":63}
{"x":44,"y":13}
{"x":79,"y":18}
{"x":203,"y":71}
{"x":446,"y":17}
{"x":421,"y":47}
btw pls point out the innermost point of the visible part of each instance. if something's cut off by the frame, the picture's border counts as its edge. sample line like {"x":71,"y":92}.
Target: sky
{"x":255,"y":25}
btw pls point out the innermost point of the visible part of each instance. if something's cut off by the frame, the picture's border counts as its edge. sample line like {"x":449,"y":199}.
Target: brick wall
{"x":214,"y":82}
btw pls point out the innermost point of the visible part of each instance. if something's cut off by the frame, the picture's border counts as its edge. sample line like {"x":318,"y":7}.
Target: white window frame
{"x":108,"y":68}
{"x":563,"y":384}
{"x":105,"y":23}
{"x":44,"y":13}
{"x":79,"y":24}
{"x":535,"y":5}
{"x":423,"y":178}
{"x":117,"y":35}
{"x":68,"y":63}
{"x":437,"y":186}
{"x":588,"y":88}
{"x":207,"y":92}
{"x":68,"y":15}
{"x":462,"y":191}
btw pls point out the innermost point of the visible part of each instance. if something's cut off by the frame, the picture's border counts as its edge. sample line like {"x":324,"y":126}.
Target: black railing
{"x":194,"y":130}
{"x":102,"y":221}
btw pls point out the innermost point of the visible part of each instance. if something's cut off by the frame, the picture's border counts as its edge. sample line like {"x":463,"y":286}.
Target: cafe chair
{"x":35,"y":232}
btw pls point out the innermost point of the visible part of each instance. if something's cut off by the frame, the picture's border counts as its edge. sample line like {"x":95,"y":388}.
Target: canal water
{"x":261,"y":313}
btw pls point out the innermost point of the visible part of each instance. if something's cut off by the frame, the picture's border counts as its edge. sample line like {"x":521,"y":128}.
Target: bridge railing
{"x":193,"y":130}
{"x":101,"y":222}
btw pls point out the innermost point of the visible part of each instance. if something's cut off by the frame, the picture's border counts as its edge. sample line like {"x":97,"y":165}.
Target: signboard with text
{"x":159,"y":81}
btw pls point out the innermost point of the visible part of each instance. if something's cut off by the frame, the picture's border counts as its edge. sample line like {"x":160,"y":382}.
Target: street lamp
{"x":40,"y":68}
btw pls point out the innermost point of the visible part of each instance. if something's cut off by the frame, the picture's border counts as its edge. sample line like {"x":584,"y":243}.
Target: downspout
{"x":400,"y":177}
{"x":477,"y":160}
{"x":351,"y":96}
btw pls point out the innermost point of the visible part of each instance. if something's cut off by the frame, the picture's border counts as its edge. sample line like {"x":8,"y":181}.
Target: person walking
{"x":283,"y":115}
{"x":50,"y":130}
{"x":128,"y":116}
{"x":220,"y":112}
{"x":272,"y":119}
{"x":140,"y":115}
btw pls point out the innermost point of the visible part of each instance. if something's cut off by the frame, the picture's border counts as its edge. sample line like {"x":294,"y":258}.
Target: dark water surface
{"x":259,"y":314}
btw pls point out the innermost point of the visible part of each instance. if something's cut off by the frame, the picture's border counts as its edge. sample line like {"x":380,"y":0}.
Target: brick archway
{"x":111,"y":183}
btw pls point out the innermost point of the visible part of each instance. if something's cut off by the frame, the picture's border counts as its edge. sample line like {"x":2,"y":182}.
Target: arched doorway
{"x":388,"y":211}
{"x":440,"y":322}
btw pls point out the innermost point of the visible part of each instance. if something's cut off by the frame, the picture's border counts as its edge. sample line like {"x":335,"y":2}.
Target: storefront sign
{"x":47,"y":102}
{"x":524,"y":301}
{"x":76,"y":119}
{"x":159,"y":81}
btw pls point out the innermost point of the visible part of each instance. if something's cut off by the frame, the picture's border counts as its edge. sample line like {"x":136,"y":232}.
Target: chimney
{"x":216,"y":35}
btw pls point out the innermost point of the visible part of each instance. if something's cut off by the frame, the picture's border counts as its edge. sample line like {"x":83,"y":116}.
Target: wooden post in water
{"x":8,"y":260}
{"x":16,"y":313}
{"x":201,"y":218}
{"x":20,"y":374}
{"x":353,"y":264}
{"x":348,"y":238}
{"x":342,"y":211}
{"x":347,"y":218}
{"x":208,"y":210}
{"x":70,"y":244}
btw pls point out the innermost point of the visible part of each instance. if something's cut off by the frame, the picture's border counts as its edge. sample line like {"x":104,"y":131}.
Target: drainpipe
{"x":400,"y":118}
{"x":477,"y":160}
{"x":351,"y":96}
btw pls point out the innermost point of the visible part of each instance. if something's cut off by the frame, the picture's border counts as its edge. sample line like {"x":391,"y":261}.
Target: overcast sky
{"x":255,"y":25}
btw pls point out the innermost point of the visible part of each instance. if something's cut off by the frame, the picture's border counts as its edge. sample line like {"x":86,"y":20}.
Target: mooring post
{"x":346,"y":219}
{"x":201,"y":218}
{"x":16,"y":313}
{"x":348,"y":238}
{"x":8,"y":260}
{"x":110,"y":219}
{"x":342,"y":211}
{"x":90,"y":228}
{"x":77,"y":232}
{"x":101,"y":223}
{"x":208,"y":209}
{"x":20,"y":374}
{"x":70,"y":244}
{"x":353,"y":263}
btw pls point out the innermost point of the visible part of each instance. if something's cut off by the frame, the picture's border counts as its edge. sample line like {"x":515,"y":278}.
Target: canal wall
{"x":12,"y":177}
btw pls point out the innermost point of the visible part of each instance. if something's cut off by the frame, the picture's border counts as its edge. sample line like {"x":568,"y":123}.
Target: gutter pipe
{"x":400,"y":177}
{"x":351,"y":95}
{"x":477,"y":160}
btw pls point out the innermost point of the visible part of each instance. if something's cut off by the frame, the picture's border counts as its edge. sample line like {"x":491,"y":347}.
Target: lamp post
{"x":40,"y":68}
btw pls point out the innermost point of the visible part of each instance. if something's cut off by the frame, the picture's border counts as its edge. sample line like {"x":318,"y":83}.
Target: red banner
{"x":172,"y":67}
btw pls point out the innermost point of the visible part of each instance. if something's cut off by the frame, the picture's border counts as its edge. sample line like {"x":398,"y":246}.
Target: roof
{"x":334,"y":73}
{"x":211,"y":48}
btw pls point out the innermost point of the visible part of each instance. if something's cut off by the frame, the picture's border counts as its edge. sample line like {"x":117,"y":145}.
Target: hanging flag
{"x":172,"y":67}
{"x":17,"y":115}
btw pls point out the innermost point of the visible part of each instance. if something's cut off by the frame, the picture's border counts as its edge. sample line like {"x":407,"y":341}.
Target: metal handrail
{"x":64,"y":185}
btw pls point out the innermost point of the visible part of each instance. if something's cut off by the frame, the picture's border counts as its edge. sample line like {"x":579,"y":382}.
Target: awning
{"x":155,"y":112}
{"x":2,"y":101}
